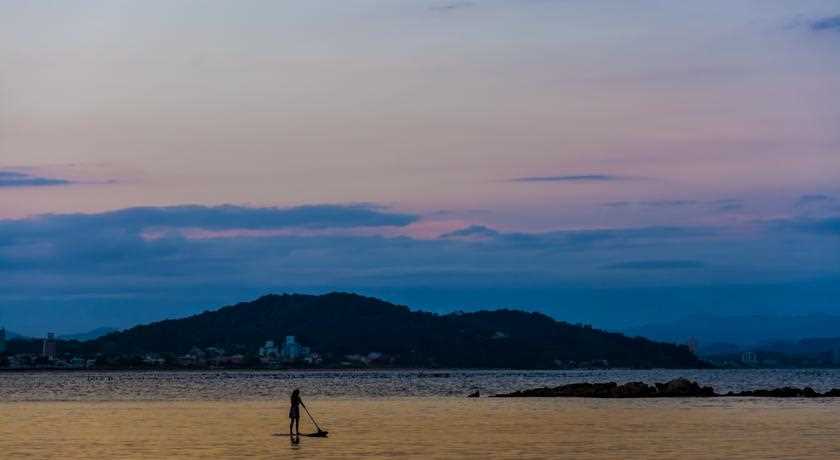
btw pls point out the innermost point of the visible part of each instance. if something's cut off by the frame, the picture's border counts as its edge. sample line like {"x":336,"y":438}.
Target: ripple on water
{"x":272,"y":385}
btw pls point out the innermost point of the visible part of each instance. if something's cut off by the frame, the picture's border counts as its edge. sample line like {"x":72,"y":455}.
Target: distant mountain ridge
{"x":740,"y":331}
{"x":809,"y":346}
{"x":82,"y":336}
{"x":13,"y":335}
{"x":89,"y":335}
{"x":340,"y":324}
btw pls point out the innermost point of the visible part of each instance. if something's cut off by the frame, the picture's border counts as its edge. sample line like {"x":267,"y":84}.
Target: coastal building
{"x":749,"y":358}
{"x":293,"y":351}
{"x":371,"y":358}
{"x":269,"y":350}
{"x":214,"y":352}
{"x":2,"y":340}
{"x":49,"y":348}
{"x":153,"y":359}
{"x":692,"y":344}
{"x":198,"y":355}
{"x":233,"y":360}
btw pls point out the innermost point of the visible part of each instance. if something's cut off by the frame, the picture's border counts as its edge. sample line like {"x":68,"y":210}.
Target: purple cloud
{"x":828,"y":23}
{"x":571,"y":178}
{"x":15,"y":179}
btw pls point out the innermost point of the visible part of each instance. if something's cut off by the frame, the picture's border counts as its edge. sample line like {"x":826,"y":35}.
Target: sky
{"x":613,"y":162}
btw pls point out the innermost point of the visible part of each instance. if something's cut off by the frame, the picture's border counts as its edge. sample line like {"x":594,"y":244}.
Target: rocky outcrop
{"x":785,"y":392}
{"x":677,"y":388}
{"x":674,"y":388}
{"x":683,"y":388}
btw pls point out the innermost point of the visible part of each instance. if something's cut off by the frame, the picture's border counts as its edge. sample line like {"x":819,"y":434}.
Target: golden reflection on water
{"x":425,"y":428}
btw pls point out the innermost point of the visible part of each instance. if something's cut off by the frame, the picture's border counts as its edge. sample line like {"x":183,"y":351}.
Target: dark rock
{"x":634,"y":390}
{"x":785,"y":392}
{"x":677,"y":388}
{"x":674,"y":388}
{"x":474,"y":394}
{"x":683,"y":388}
{"x":586,"y":390}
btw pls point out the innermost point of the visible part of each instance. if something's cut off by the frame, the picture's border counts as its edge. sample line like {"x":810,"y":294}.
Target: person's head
{"x":296,"y":393}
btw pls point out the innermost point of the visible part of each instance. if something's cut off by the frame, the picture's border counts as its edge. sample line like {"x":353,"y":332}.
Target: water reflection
{"x":423,"y":428}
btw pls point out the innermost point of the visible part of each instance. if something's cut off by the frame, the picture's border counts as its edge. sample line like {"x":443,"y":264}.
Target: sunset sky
{"x":610,"y":162}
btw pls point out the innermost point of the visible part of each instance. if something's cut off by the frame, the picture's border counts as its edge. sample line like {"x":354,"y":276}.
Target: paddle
{"x":321,"y":433}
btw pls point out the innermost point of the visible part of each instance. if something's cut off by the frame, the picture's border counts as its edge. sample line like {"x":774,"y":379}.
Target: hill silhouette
{"x":340,"y":324}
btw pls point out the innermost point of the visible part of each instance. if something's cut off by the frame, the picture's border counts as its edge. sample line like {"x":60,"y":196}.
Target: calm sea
{"x":267,"y":386}
{"x":401,"y":414}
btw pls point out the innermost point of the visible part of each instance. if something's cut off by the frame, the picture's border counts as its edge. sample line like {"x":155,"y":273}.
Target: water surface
{"x":414,"y":415}
{"x":264,"y":385}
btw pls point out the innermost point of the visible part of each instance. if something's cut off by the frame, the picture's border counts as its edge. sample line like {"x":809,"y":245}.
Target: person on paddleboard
{"x":294,"y":413}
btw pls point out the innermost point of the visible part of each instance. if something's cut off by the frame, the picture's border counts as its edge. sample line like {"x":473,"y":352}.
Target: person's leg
{"x":291,"y":425}
{"x":297,"y":426}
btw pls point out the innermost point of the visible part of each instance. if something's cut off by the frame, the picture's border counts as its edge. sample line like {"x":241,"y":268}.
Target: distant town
{"x":291,"y":353}
{"x":271,"y":355}
{"x":768,"y":359}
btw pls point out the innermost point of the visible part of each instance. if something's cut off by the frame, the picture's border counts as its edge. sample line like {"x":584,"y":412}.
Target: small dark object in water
{"x":474,"y":394}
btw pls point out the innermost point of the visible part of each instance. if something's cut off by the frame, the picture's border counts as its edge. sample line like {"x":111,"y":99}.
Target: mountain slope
{"x":89,"y":335}
{"x":339,"y":324}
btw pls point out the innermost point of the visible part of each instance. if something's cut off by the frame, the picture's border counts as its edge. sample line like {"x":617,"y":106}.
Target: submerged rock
{"x":677,"y":388}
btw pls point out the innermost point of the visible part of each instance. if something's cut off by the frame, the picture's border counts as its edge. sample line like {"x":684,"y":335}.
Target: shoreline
{"x":430,"y":371}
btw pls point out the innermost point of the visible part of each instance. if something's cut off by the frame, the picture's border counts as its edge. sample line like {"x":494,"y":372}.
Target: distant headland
{"x":341,"y":330}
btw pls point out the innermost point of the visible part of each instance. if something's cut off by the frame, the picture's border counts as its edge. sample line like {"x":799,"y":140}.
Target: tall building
{"x":2,"y":340}
{"x":692,"y":344}
{"x":292,"y":350}
{"x":269,"y":350}
{"x":48,"y":349}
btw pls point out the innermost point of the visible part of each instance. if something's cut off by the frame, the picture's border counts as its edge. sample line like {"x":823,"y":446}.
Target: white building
{"x":269,"y":350}
{"x":293,"y":351}
{"x":48,"y":349}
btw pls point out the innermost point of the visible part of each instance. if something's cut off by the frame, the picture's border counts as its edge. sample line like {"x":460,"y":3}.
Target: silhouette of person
{"x":294,"y":415}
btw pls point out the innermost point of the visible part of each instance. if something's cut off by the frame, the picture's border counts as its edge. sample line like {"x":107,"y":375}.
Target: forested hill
{"x":339,"y":324}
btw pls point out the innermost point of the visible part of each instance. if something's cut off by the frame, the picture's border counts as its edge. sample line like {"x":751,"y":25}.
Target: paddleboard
{"x":323,"y":434}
